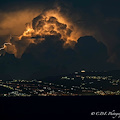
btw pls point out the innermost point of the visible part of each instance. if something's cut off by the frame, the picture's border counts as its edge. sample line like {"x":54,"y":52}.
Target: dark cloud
{"x":99,"y":19}
{"x":87,"y":53}
{"x":91,"y":53}
{"x":50,"y":58}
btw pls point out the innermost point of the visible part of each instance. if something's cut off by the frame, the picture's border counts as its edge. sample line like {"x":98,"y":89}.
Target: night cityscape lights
{"x":76,"y":84}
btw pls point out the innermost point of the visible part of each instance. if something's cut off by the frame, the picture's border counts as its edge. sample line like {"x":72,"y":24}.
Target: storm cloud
{"x":93,"y":27}
{"x":50,"y":58}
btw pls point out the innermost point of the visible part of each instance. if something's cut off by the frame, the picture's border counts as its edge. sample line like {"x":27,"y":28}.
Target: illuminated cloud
{"x":48,"y":23}
{"x":47,"y":38}
{"x":67,"y":19}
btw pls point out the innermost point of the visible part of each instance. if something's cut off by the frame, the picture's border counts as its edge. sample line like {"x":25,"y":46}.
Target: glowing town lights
{"x":76,"y":72}
{"x":82,"y":71}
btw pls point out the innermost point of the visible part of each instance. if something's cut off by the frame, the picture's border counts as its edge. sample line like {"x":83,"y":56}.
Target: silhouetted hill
{"x":115,"y":73}
{"x":5,"y":77}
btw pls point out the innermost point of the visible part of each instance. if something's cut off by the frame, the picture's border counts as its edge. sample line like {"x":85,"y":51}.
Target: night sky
{"x":94,"y":31}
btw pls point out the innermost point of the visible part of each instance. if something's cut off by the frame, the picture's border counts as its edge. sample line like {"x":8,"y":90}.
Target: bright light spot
{"x":82,"y":71}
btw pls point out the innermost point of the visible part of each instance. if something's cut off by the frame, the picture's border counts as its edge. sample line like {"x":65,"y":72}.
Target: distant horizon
{"x":80,"y":71}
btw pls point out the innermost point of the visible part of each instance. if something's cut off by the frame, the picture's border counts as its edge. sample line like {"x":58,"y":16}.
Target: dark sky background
{"x":98,"y":48}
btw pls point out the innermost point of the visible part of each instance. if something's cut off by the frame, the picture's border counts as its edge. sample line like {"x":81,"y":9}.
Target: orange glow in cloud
{"x":50,"y":22}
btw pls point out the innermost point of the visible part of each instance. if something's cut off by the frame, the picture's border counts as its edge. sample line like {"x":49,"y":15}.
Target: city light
{"x":75,"y":84}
